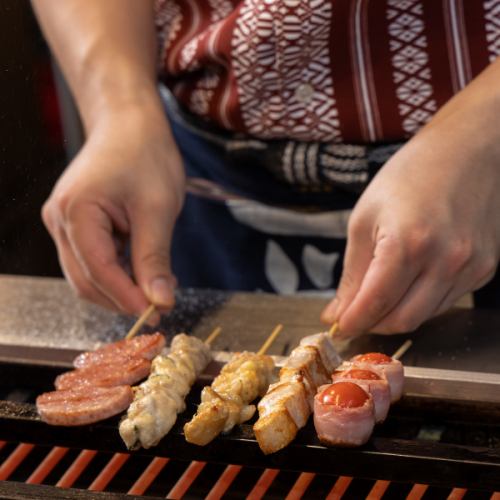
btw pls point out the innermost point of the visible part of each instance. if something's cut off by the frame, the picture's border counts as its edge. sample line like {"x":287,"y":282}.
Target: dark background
{"x":32,"y":148}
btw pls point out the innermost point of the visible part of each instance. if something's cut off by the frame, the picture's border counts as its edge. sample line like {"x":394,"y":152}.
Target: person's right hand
{"x":126,"y":184}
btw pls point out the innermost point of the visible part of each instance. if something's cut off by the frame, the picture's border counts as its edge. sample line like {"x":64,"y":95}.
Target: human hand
{"x":126,"y":184}
{"x":426,"y":230}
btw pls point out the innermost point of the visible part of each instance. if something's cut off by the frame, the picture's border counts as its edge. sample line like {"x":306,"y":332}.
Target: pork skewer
{"x":389,"y":368}
{"x":345,"y":412}
{"x":227,"y":401}
{"x":288,"y":403}
{"x":159,"y":399}
{"x":374,"y":384}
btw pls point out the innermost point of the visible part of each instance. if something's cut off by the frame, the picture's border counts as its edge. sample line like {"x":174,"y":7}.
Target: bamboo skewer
{"x":232,"y":471}
{"x":334,"y":328}
{"x":157,"y":464}
{"x":402,"y":350}
{"x":147,"y":314}
{"x":270,"y":339}
{"x":213,"y":336}
{"x":142,"y":319}
{"x":397,"y":355}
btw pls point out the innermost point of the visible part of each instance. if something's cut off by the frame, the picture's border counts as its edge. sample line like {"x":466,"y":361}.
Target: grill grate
{"x":442,"y":446}
{"x":464,"y":452}
{"x":64,"y":471}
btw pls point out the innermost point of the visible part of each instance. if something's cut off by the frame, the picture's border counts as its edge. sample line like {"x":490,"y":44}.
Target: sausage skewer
{"x":100,"y":385}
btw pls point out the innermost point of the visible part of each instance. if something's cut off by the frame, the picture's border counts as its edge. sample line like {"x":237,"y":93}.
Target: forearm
{"x":472,"y":113}
{"x":107,"y":51}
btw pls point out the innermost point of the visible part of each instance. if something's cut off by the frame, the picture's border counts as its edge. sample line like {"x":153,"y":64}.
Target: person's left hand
{"x":427,"y":229}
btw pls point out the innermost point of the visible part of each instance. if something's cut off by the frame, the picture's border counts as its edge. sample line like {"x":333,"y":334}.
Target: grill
{"x":441,"y":441}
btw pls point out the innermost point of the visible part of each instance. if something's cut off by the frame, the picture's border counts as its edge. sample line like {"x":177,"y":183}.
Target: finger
{"x":419,"y":303}
{"x":388,"y":278}
{"x":435,"y":292}
{"x":75,"y":277}
{"x":474,"y":277}
{"x":358,"y":254}
{"x":90,"y":233}
{"x":70,"y":266}
{"x":151,"y":234}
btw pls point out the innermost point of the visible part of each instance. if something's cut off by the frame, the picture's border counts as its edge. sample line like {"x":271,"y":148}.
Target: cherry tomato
{"x":376,"y":358}
{"x":344,"y":394}
{"x":360,"y":374}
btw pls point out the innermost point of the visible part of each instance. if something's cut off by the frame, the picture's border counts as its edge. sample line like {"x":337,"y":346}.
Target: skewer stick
{"x":402,"y":350}
{"x":213,"y":336}
{"x":270,"y":340}
{"x":232,"y":470}
{"x":142,"y":319}
{"x":334,"y":328}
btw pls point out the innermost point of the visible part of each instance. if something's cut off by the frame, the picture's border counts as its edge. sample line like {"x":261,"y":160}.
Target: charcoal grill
{"x":441,"y":441}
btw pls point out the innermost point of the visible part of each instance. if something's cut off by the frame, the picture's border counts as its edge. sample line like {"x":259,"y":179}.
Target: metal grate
{"x":444,"y":446}
{"x":67,"y":473}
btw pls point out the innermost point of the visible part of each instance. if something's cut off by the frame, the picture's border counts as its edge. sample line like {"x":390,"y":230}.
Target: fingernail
{"x":328,"y":314}
{"x":162,"y":293}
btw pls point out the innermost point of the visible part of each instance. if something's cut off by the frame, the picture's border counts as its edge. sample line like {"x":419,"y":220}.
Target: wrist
{"x":139,"y":102}
{"x":135,"y":117}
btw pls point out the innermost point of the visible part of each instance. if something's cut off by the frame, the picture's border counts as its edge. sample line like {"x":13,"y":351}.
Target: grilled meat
{"x":226,"y":402}
{"x":159,"y":399}
{"x":288,"y":404}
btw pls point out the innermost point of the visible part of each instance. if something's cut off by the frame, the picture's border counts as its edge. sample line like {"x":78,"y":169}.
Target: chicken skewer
{"x":227,"y":402}
{"x":289,"y":402}
{"x":159,"y":399}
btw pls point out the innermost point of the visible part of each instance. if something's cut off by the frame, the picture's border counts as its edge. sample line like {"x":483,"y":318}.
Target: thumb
{"x":151,"y":235}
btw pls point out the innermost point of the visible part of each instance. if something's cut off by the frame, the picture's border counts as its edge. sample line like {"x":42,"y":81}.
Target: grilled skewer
{"x":386,"y":366}
{"x":99,"y":387}
{"x":344,"y":414}
{"x":159,"y":399}
{"x":362,"y":391}
{"x":227,"y":402}
{"x":290,"y":401}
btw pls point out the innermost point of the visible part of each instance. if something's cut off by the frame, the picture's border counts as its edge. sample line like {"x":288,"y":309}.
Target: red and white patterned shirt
{"x":353,"y":71}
